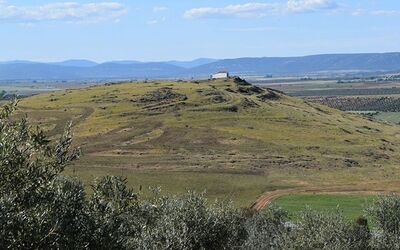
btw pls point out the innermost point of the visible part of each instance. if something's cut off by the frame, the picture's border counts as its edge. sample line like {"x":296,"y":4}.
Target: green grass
{"x":241,"y":189}
{"x":351,"y":205}
{"x":392,"y":117}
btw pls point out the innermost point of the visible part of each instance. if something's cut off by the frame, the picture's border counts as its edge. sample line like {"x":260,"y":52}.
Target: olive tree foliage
{"x":272,"y":229}
{"x":38,"y":207}
{"x":268,"y":229}
{"x":319,"y":230}
{"x":385,"y":214}
{"x":114,"y":212}
{"x":189,"y":222}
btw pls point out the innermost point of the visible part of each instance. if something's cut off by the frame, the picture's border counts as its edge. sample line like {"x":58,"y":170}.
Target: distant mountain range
{"x":192,"y":64}
{"x":76,"y":63}
{"x":84,"y":69}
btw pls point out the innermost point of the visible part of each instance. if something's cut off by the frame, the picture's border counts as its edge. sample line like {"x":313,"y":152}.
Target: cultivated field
{"x":373,"y":97}
{"x":227,"y":137}
{"x":352,"y":205}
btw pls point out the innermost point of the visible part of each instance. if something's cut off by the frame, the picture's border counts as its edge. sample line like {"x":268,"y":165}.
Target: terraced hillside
{"x":225,"y":136}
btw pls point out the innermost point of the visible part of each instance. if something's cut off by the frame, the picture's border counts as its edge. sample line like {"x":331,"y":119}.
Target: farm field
{"x":348,"y":92}
{"x":26,"y":89}
{"x":227,"y":137}
{"x":334,"y":87}
{"x":244,"y":189}
{"x":241,"y":189}
{"x":392,"y":117}
{"x":377,"y":100}
{"x":352,"y":206}
{"x":359,"y":103}
{"x":29,"y":88}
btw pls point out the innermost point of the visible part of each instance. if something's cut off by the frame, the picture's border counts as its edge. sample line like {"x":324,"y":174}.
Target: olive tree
{"x":385,"y":213}
{"x":38,"y":207}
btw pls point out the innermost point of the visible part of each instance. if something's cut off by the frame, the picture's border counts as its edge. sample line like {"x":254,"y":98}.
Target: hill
{"x":217,"y":118}
{"x":225,"y":136}
{"x":201,"y":68}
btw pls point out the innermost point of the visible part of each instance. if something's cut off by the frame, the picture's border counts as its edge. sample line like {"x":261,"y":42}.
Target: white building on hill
{"x":220,"y":75}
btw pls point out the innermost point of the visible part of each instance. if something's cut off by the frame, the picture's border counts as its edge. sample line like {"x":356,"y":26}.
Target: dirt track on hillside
{"x":268,"y":197}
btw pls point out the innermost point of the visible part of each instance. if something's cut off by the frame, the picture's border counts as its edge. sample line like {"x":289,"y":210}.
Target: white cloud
{"x":310,"y":5}
{"x":152,"y":22}
{"x":239,"y":10}
{"x":156,"y":21}
{"x":386,"y":13}
{"x":253,"y":29}
{"x":62,"y":11}
{"x":159,"y":8}
{"x":363,"y":12}
{"x":254,"y":9}
{"x":358,"y":12}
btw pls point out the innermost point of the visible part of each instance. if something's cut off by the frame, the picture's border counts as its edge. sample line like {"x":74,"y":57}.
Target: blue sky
{"x":155,"y":30}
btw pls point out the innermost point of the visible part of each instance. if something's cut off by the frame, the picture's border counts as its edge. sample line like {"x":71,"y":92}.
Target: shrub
{"x":189,"y":222}
{"x":267,"y":230}
{"x":328,"y":231}
{"x":38,"y":207}
{"x":386,"y":216}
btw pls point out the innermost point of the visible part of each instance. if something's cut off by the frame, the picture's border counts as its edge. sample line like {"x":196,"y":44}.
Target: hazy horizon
{"x":187,"y":60}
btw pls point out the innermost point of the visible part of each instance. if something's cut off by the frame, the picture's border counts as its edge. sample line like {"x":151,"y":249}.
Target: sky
{"x":160,"y":30}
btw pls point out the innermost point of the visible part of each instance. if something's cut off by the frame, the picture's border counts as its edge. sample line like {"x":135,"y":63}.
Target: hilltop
{"x":212,"y":127}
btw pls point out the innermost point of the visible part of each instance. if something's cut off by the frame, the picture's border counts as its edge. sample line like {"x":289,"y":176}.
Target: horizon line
{"x":183,"y":60}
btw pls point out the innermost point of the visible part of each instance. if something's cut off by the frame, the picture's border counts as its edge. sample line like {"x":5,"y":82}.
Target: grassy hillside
{"x":249,"y":139}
